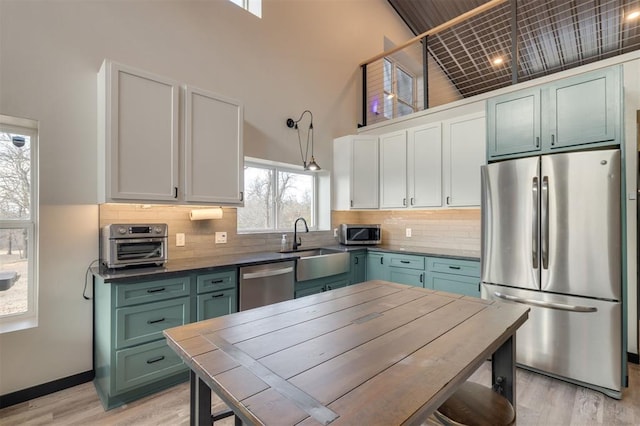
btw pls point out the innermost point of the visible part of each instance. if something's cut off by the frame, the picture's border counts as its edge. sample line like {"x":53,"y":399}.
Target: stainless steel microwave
{"x":134,"y":245}
{"x":350,"y":234}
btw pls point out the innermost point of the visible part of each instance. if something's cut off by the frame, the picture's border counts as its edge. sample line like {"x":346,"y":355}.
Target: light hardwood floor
{"x":540,"y":401}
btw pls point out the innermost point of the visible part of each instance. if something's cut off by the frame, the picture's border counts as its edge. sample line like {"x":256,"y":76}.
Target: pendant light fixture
{"x":293,"y":124}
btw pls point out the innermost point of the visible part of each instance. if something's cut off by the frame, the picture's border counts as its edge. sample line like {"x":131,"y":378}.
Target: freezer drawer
{"x":584,"y":344}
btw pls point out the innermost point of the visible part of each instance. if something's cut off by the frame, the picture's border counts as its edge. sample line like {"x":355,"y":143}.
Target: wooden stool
{"x":476,"y":405}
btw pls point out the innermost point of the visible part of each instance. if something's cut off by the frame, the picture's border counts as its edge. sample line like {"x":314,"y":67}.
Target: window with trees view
{"x":275,"y":196}
{"x":18,"y":295}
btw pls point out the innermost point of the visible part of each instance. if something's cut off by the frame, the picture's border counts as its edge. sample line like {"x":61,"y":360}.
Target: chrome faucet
{"x":297,"y":242}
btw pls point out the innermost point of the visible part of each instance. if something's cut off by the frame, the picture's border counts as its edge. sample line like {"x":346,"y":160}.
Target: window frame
{"x":28,"y":319}
{"x":393,"y":94}
{"x":278,"y":167}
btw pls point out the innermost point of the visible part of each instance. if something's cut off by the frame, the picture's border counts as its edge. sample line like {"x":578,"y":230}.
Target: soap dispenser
{"x":283,"y":243}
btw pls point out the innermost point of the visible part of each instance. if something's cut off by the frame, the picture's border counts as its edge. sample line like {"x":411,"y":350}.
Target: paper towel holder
{"x":206,"y":214}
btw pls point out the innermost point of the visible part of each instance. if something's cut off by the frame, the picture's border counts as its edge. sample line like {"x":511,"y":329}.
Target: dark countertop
{"x":204,"y":265}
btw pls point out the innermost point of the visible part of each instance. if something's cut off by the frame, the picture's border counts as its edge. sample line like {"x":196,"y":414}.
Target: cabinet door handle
{"x":405,"y":261}
{"x":537,"y":141}
{"x":381,"y":260}
{"x":156,"y":290}
{"x":421,"y":277}
{"x":356,"y":261}
{"x":448,"y":200}
{"x":350,"y":203}
{"x":155,"y":321}
{"x":404,"y":201}
{"x":217,"y":295}
{"x":175,"y":192}
{"x":553,"y":139}
{"x":156,"y":359}
{"x":241,"y":196}
{"x":454,"y":267}
{"x":412,"y":201}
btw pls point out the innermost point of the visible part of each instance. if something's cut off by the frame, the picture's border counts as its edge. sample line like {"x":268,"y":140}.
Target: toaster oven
{"x":134,"y":245}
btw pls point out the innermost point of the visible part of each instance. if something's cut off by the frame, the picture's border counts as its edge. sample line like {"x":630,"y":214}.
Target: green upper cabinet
{"x":582,"y":110}
{"x":568,"y":113}
{"x":513,"y":123}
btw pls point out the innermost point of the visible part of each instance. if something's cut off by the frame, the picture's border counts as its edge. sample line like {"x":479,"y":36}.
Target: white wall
{"x":301,"y":55}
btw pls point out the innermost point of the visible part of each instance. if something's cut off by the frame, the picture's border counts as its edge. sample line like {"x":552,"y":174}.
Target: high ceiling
{"x":552,"y":36}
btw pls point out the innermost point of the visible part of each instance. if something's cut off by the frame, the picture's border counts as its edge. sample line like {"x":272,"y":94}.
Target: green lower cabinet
{"x":131,"y":357}
{"x":358,"y":267}
{"x":407,"y":276}
{"x":307,"y":288}
{"x":211,"y":305}
{"x":377,"y":268}
{"x":455,"y":284}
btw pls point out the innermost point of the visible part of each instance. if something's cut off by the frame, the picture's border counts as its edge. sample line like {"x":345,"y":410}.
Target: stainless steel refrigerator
{"x":551,"y":239}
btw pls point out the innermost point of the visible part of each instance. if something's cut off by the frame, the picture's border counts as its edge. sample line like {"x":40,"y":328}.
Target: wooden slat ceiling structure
{"x":551,"y":36}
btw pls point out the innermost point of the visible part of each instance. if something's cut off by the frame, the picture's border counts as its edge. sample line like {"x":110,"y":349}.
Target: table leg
{"x":503,"y":370}
{"x":199,"y":402}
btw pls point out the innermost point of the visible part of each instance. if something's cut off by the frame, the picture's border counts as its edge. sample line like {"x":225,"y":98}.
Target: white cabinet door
{"x":355,"y":172}
{"x":424,"y":166}
{"x":139,"y":122}
{"x":465,"y":150}
{"x":213,"y":160}
{"x":393,"y":170}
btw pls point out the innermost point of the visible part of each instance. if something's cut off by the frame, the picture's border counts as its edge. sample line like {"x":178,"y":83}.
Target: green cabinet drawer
{"x":406,"y":261}
{"x":218,"y":303}
{"x":217,"y":281}
{"x":470,"y":268}
{"x":152,"y":291}
{"x":144,"y":364}
{"x":144,"y":323}
{"x":459,"y":284}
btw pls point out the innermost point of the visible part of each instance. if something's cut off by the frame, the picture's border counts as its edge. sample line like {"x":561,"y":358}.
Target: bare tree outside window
{"x":15,"y":210}
{"x":275,"y":197}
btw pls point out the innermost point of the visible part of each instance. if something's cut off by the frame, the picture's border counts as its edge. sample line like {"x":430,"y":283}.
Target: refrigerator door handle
{"x":549,"y":305}
{"x":534,"y":224}
{"x":544,"y":223}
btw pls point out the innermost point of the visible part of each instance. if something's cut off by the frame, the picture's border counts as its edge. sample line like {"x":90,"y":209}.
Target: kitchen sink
{"x":320,"y":262}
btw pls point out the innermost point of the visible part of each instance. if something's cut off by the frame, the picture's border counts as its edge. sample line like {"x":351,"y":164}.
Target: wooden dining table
{"x":374,"y":353}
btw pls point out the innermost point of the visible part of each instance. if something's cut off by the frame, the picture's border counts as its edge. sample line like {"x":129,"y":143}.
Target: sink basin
{"x":320,"y":262}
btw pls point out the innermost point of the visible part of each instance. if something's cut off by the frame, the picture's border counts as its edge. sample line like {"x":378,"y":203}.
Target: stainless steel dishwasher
{"x":262,"y":285}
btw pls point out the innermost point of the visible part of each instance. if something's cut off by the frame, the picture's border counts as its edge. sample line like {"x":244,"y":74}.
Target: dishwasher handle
{"x":267,"y":273}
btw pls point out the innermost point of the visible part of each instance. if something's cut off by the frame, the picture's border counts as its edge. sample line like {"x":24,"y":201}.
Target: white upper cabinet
{"x":355,"y":172}
{"x":464,"y":154}
{"x":140,"y":146}
{"x":138,"y":118}
{"x":393,"y":170}
{"x":424,"y":166}
{"x":213,"y":160}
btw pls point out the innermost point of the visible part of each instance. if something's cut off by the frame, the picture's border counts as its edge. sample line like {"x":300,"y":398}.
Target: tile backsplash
{"x":430,"y":229}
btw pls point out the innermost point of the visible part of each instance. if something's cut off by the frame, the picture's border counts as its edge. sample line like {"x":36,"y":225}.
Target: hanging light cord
{"x":306,"y":153}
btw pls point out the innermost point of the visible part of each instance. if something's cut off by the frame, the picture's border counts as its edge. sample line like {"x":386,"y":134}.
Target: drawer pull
{"x":405,"y":261}
{"x":156,"y":290}
{"x":218,"y":281}
{"x":217,"y":295}
{"x":155,"y":321}
{"x":454,"y":267}
{"x":156,"y":359}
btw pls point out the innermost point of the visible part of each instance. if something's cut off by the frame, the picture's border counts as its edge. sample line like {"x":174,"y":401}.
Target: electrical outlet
{"x":180,"y":240}
{"x":335,"y":232}
{"x":407,"y":232}
{"x":221,"y":237}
